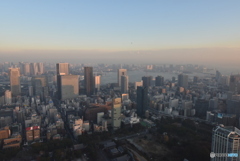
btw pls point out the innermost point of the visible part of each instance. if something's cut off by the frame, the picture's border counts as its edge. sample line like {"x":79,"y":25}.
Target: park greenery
{"x":186,"y":138}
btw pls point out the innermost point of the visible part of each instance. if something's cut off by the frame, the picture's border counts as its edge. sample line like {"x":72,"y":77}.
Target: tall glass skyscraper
{"x":89,"y":81}
{"x":142,"y":100}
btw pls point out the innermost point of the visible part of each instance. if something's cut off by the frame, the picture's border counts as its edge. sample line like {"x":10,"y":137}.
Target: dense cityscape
{"x":119,"y":80}
{"x":65,"y":111}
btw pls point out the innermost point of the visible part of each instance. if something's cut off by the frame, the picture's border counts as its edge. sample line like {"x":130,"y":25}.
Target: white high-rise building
{"x":225,"y":140}
{"x":116,"y":113}
{"x":121,"y":72}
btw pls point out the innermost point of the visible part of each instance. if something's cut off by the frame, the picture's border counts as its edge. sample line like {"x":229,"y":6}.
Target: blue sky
{"x":119,"y":25}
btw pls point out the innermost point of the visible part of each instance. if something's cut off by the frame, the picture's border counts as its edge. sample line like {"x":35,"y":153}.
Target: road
{"x":69,"y":132}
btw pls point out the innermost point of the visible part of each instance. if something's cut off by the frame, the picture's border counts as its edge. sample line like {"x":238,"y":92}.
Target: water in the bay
{"x":136,"y":76}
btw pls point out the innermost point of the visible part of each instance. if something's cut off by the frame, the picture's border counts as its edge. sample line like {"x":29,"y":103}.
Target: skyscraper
{"x":69,"y":87}
{"x":120,"y":73}
{"x":26,"y":69}
{"x":234,"y":85}
{"x":142,"y":100}
{"x":136,"y":84}
{"x":97,"y":82}
{"x":40,"y":68}
{"x":147,"y":81}
{"x":38,"y":83}
{"x":159,"y":81}
{"x":14,"y":74}
{"x":225,"y":140}
{"x":116,"y":113}
{"x":183,"y":80}
{"x":124,"y":84}
{"x":21,"y":66}
{"x":88,"y":80}
{"x":62,"y":68}
{"x":8,"y":97}
{"x":33,"y":68}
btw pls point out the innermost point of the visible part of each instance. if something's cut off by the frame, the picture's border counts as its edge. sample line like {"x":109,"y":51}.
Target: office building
{"x":173,"y":79}
{"x":195,"y":79}
{"x":225,"y":139}
{"x":30,"y":90}
{"x":124,"y":84}
{"x":116,"y":113}
{"x":8,"y":97}
{"x":159,"y":81}
{"x":234,"y":85}
{"x":201,"y":107}
{"x":5,"y":132}
{"x":183,"y":80}
{"x":21,"y":66}
{"x":38,"y":82}
{"x":69,"y":86}
{"x":142,"y":100}
{"x":26,"y":69}
{"x":225,"y":119}
{"x":14,"y":74}
{"x":147,"y":81}
{"x":97,"y":82}
{"x":40,"y":68}
{"x":29,"y":134}
{"x":62,"y":68}
{"x":136,"y":84}
{"x":213,"y":103}
{"x":33,"y":68}
{"x":88,"y":80}
{"x":233,"y":107}
{"x":121,"y":72}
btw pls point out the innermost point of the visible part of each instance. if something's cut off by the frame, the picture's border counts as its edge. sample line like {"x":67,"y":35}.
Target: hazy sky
{"x":204,"y":31}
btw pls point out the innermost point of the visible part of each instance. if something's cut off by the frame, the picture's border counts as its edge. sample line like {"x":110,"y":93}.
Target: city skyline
{"x":204,"y":32}
{"x":50,"y":107}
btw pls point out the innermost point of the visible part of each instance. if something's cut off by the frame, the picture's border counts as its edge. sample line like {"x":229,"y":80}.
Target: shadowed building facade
{"x":69,"y":87}
{"x":159,"y":81}
{"x":142,"y":100}
{"x":38,"y":82}
{"x":89,"y":81}
{"x":124,"y":84}
{"x":147,"y":81}
{"x":121,"y":72}
{"x":183,"y":80}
